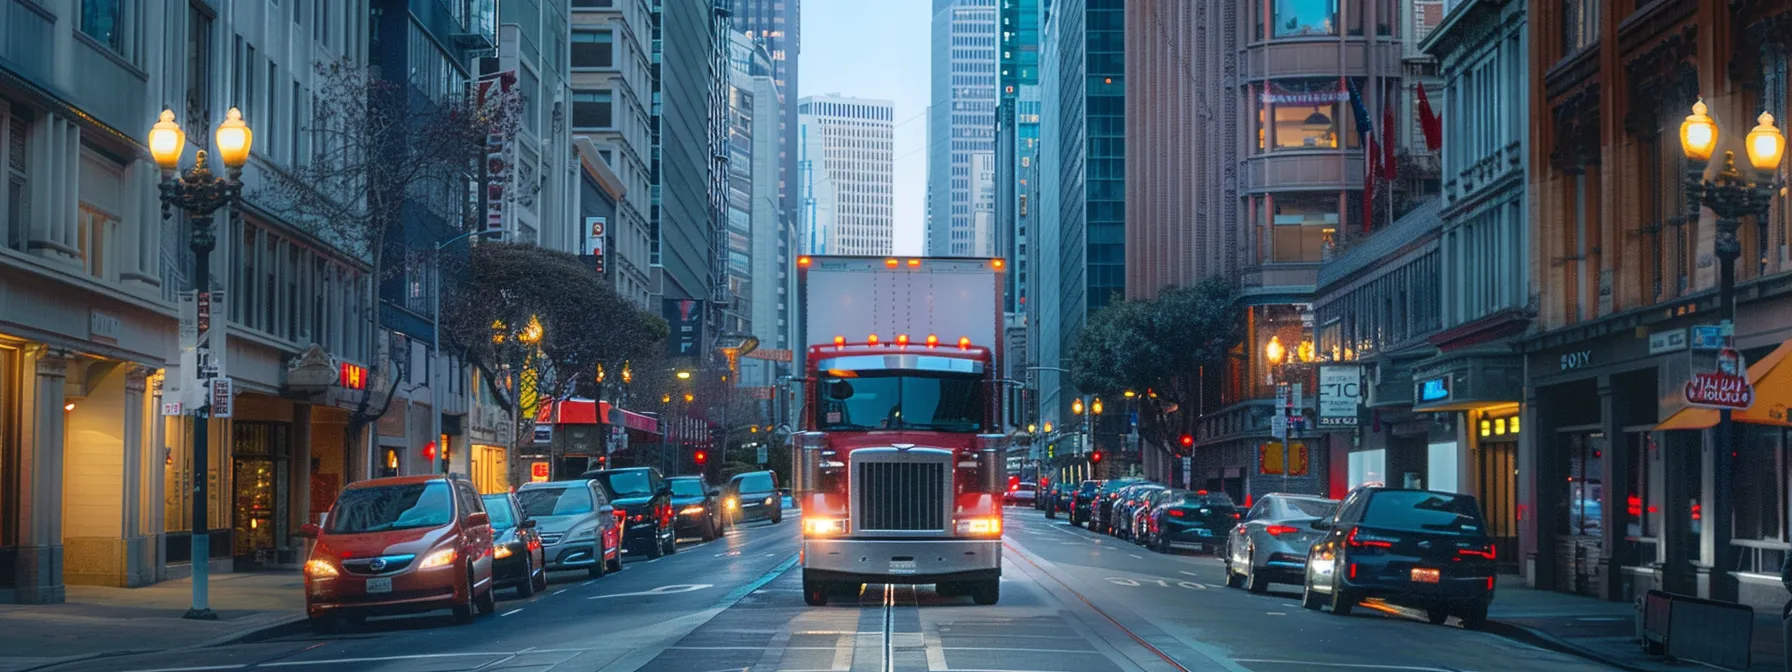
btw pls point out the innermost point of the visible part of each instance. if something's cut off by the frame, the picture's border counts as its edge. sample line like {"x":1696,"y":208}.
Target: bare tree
{"x":381,"y":155}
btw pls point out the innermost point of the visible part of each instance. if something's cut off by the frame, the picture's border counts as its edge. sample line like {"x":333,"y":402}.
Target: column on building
{"x":38,"y":576}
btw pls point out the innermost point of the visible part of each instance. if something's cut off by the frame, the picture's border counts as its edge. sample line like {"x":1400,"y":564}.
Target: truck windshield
{"x":902,"y":400}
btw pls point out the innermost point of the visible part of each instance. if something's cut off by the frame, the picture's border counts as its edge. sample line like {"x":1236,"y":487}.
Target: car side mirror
{"x":309,"y":530}
{"x":478,"y":519}
{"x":528,"y":523}
{"x":1322,"y":524}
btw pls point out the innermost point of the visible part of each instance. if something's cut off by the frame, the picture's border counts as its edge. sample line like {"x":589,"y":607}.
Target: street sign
{"x":222,"y":394}
{"x":1188,"y":471}
{"x":1707,"y":337}
{"x":1278,"y":426}
{"x":171,"y":408}
{"x":764,"y":455}
{"x":1671,"y":340}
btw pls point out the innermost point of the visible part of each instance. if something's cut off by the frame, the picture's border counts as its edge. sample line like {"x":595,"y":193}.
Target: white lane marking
{"x":1136,"y":556}
{"x":662,"y":590}
{"x":1184,"y":571}
{"x":1274,"y":613}
{"x":562,"y":590}
{"x":507,"y":613}
{"x":1354,"y":666}
{"x":587,"y":583}
{"x":993,"y":648}
{"x":196,"y":669}
{"x":376,"y":659}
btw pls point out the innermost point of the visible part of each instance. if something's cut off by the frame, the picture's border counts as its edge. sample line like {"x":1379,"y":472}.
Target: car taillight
{"x":1359,"y":539}
{"x":1176,"y":513}
{"x":1279,"y":530}
{"x":1483,"y":552}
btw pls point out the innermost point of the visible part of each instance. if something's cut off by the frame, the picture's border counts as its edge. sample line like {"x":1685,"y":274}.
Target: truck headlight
{"x":822,"y":527}
{"x":990,"y":526}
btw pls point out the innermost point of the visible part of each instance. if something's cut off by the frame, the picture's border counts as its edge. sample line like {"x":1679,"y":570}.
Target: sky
{"x":877,"y":49}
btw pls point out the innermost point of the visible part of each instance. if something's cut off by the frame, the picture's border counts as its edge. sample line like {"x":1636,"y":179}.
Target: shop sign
{"x":594,"y":241}
{"x":1707,"y":337}
{"x":1577,"y":360}
{"x":101,"y":325}
{"x":1434,"y":389}
{"x":171,"y":408}
{"x":1270,"y":457}
{"x":1673,"y":340}
{"x":538,"y":472}
{"x":353,"y":377}
{"x":222,"y":394}
{"x":1727,"y":387}
{"x":544,"y":433}
{"x":1340,"y":394}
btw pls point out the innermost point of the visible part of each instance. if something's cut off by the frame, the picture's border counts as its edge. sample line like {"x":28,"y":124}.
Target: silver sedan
{"x":1270,"y":544}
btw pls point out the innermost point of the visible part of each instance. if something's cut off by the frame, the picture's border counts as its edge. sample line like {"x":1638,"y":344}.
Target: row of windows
{"x":287,"y":290}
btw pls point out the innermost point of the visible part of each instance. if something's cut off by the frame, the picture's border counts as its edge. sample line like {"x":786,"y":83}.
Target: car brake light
{"x":1477,"y":552}
{"x":1353,"y":571}
{"x":1367,"y":540}
{"x":1176,"y":513}
{"x":1490,"y":583}
{"x":1279,"y":530}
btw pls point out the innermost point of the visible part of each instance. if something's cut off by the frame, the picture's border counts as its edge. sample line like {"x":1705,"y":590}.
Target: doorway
{"x":1496,"y":483}
{"x":262,"y":457}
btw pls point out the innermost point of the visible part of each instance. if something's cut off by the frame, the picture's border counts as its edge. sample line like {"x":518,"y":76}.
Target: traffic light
{"x":700,"y":457}
{"x":1095,"y":457}
{"x":1188,"y":444}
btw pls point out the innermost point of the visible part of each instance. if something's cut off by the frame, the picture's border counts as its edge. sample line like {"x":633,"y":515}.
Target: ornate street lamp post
{"x":200,"y":194}
{"x":1731,"y":197}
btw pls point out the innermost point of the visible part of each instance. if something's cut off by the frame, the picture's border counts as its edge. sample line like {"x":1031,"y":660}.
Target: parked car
{"x":699,"y":507}
{"x":1193,"y":517}
{"x":518,"y":560}
{"x":1144,"y":524}
{"x":1021,"y":494}
{"x":1082,"y":503}
{"x":1051,"y":499}
{"x":1130,"y":501}
{"x":645,"y":501}
{"x":1425,"y":548}
{"x":578,"y":525}
{"x":1102,"y":513}
{"x":400,"y":545}
{"x":1271,"y":543}
{"x":754,"y":496}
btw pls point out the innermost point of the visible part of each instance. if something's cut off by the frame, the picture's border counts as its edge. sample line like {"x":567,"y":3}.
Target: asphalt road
{"x":1072,"y":601}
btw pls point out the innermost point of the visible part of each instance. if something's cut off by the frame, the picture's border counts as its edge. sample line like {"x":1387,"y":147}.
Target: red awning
{"x":591,"y":412}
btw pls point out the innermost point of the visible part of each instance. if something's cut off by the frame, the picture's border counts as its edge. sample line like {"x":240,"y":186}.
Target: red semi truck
{"x":900,"y":468}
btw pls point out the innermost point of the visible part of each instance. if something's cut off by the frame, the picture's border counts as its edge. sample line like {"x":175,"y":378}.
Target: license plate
{"x":902,"y":566}
{"x":1424,"y":575}
{"x":379,"y":585}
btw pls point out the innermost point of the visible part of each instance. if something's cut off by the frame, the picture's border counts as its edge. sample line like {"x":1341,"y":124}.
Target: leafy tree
{"x":375,"y":156}
{"x":1163,"y":350}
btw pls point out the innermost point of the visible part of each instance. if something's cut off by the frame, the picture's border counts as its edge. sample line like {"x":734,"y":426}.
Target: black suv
{"x":1423,"y":547}
{"x":1102,"y":519}
{"x":644,"y":499}
{"x":754,"y":496}
{"x":699,"y":507}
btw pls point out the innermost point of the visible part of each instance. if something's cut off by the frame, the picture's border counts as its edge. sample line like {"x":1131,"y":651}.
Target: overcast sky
{"x":877,"y":49}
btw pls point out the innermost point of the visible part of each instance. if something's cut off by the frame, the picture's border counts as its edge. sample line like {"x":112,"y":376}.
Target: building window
{"x":1303,"y":114}
{"x":1580,"y":25}
{"x":14,"y":179}
{"x":1299,"y":225}
{"x":593,"y":109}
{"x":593,"y":49}
{"x":1300,"y":18}
{"x":96,"y":230}
{"x":104,"y":21}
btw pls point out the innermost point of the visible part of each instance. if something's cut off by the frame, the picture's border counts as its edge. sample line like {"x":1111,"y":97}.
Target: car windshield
{"x":1424,"y":511}
{"x":946,"y":402}
{"x":626,"y":483}
{"x":687,"y":487}
{"x":1304,"y":506}
{"x":392,"y":507}
{"x":498,"y":508}
{"x":568,"y":500}
{"x":758,"y":482}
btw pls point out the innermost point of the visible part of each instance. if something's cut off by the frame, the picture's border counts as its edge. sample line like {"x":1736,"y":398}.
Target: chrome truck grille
{"x":901,"y":491}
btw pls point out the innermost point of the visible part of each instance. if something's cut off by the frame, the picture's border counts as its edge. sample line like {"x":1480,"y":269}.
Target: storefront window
{"x":1300,"y":18}
{"x":1760,"y":483}
{"x":1586,"y":484}
{"x":1304,"y":114}
{"x":1299,"y":224}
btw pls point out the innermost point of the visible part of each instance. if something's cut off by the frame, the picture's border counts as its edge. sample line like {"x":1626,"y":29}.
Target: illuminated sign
{"x":538,"y":472}
{"x":1434,"y":389}
{"x":353,"y":377}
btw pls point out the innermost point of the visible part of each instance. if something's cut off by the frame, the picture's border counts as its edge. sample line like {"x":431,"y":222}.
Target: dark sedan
{"x":1102,"y":514}
{"x":1423,"y":547}
{"x":1129,"y":503}
{"x":1082,"y":503}
{"x":646,"y":503}
{"x":517,"y":557}
{"x":1193,"y":517}
{"x":699,"y":507}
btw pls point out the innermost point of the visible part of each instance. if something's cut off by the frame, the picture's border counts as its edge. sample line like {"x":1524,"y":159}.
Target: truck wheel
{"x":815,"y":593}
{"x":987,"y":592}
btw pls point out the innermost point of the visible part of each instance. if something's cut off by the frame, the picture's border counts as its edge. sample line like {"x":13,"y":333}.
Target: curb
{"x":1544,"y":640}
{"x":266,"y":630}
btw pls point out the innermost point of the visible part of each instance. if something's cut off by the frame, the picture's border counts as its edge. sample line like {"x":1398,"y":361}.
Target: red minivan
{"x":400,"y":545}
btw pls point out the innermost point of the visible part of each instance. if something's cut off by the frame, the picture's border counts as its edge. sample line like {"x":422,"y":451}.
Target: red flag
{"x":1369,"y":161}
{"x":1429,"y":122}
{"x":1388,"y":134}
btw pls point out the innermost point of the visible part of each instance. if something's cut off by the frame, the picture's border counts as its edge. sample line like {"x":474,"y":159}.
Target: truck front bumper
{"x":901,"y":561}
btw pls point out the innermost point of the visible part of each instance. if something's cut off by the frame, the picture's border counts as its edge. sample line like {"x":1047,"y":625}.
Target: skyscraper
{"x":684,"y":161}
{"x":961,"y":122}
{"x":777,"y":24}
{"x":846,"y":147}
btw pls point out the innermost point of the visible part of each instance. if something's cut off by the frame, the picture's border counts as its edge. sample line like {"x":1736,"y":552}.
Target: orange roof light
{"x":914,"y":263}
{"x":802,"y":261}
{"x":891,"y":262}
{"x":932,"y":340}
{"x":839,"y":341}
{"x":902,"y":339}
{"x":872,"y":339}
{"x":964,"y":342}
{"x":997,"y":264}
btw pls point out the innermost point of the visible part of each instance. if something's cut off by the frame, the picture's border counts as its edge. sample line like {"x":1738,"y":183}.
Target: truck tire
{"x":987,"y":592}
{"x":815,"y":593}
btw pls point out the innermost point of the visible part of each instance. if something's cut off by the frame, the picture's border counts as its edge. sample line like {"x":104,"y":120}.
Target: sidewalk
{"x":98,"y":621}
{"x":1604,"y":631}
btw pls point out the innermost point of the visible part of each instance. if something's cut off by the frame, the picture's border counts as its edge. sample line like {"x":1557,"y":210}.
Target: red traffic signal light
{"x":1188,"y":441}
{"x":1095,"y":457}
{"x":701,"y":457}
